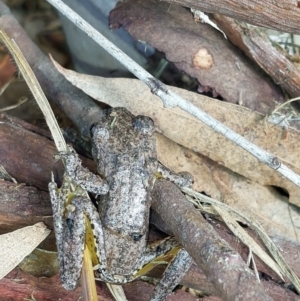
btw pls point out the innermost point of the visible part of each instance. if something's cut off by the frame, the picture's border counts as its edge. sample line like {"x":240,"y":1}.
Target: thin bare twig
{"x":171,"y":99}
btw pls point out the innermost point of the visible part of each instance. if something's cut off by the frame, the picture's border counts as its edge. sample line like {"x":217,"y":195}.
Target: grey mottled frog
{"x":125,"y":151}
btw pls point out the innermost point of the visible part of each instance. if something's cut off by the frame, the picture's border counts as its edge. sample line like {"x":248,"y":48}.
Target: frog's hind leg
{"x":155,"y":250}
{"x":75,"y":226}
{"x":165,"y":251}
{"x":172,"y":275}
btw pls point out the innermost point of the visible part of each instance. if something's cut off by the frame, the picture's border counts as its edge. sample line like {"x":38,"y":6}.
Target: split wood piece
{"x":276,"y":14}
{"x":19,"y":286}
{"x":27,"y":156}
{"x":22,"y":206}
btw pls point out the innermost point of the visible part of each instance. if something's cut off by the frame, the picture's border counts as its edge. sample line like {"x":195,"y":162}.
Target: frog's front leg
{"x":81,"y":175}
{"x":181,"y":179}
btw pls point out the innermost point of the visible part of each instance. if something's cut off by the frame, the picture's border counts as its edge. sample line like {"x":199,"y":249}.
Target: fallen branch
{"x":36,"y":90}
{"x":225,"y":268}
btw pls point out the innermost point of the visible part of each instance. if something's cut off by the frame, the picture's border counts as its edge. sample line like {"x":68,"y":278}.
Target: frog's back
{"x":125,"y":149}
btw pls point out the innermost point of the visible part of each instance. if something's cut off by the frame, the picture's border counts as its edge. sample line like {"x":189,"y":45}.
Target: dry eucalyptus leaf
{"x":230,"y":217}
{"x":40,"y":263}
{"x":263,"y":203}
{"x":240,"y":233}
{"x":186,"y":130}
{"x":16,"y":245}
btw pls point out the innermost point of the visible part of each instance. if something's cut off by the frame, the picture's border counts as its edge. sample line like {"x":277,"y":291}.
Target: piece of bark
{"x":198,"y":50}
{"x":19,"y":286}
{"x":54,"y":85}
{"x":28,"y":157}
{"x":141,"y":291}
{"x":226,"y":270}
{"x":257,"y":47}
{"x":22,"y":206}
{"x":276,"y":14}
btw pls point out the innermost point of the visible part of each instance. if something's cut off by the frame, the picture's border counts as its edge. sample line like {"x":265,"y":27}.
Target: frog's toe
{"x":187,"y":179}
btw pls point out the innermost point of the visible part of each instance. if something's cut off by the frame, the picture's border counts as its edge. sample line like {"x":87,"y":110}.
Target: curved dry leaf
{"x":16,"y":245}
{"x":263,"y":203}
{"x":188,"y":131}
{"x":117,"y":291}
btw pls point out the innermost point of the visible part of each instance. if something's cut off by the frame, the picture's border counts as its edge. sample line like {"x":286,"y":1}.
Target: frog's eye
{"x":136,"y":236}
{"x":93,"y":128}
{"x":70,"y":224}
{"x":143,"y":124}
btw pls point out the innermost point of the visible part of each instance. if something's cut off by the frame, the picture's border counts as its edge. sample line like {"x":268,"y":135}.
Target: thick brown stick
{"x":224,"y":267}
{"x":276,"y":14}
{"x":28,"y":157}
{"x":257,"y":47}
